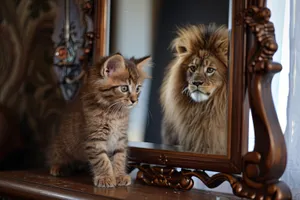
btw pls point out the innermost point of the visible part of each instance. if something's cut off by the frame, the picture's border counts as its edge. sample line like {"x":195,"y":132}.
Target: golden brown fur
{"x":193,"y":94}
{"x":94,"y":128}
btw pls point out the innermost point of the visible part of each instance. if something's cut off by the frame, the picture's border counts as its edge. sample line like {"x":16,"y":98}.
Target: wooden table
{"x":39,"y":185}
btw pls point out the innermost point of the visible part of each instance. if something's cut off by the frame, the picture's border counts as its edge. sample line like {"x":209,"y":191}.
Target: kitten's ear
{"x":113,"y":65}
{"x":142,"y":62}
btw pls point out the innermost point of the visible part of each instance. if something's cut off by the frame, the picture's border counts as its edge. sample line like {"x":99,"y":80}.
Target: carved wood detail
{"x":182,"y":180}
{"x":263,"y":167}
{"x":164,"y":176}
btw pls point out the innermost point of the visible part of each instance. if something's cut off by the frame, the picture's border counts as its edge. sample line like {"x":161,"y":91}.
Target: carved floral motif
{"x":167,"y":177}
{"x":257,"y":20}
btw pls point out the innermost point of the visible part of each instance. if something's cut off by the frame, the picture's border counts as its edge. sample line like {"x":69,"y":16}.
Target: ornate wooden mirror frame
{"x":255,"y":174}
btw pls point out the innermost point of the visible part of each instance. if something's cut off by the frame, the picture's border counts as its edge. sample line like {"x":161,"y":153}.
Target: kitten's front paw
{"x":123,"y":180}
{"x":104,"y":181}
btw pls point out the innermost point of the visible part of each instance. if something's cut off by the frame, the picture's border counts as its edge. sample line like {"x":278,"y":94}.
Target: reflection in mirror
{"x":193,"y":93}
{"x":184,"y":106}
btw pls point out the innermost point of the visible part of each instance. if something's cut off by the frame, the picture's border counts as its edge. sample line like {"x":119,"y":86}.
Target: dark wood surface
{"x":40,"y":185}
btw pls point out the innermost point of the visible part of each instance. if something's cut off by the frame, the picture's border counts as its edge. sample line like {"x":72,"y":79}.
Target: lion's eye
{"x":210,"y":70}
{"x":193,"y":68}
{"x":138,"y":89}
{"x":124,"y":88}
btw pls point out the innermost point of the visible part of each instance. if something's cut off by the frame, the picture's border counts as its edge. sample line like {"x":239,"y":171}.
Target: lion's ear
{"x":220,"y":42}
{"x":222,"y":46}
{"x":179,"y":47}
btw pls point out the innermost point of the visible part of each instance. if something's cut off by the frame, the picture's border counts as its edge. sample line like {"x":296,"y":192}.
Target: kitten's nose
{"x":133,"y":100}
{"x":197,"y":83}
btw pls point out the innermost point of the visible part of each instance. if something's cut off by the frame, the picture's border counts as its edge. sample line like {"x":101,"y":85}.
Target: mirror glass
{"x":183,"y":107}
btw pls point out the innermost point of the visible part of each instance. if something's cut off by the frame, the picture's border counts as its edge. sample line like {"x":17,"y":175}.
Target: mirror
{"x":184,"y":121}
{"x":188,"y":112}
{"x":31,"y":98}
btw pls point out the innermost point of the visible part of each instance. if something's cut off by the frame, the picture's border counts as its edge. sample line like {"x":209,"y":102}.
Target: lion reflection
{"x":194,"y":90}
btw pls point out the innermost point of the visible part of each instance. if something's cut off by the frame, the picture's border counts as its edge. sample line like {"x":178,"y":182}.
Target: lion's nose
{"x":197,"y":83}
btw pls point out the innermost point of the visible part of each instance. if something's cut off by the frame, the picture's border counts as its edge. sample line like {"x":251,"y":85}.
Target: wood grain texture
{"x":40,"y":185}
{"x":102,"y":17}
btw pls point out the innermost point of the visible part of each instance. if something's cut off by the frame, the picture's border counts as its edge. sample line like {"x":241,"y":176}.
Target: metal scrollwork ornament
{"x":74,"y":45}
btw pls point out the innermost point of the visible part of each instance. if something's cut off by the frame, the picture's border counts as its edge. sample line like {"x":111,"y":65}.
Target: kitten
{"x":94,"y":128}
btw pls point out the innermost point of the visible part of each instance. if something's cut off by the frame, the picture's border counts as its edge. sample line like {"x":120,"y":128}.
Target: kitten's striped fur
{"x":94,"y":128}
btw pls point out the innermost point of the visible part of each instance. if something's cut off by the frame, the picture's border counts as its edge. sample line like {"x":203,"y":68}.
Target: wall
{"x":131,"y":35}
{"x":28,"y":84}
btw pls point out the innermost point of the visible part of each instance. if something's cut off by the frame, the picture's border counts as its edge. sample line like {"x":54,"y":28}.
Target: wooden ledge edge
{"x":29,"y":190}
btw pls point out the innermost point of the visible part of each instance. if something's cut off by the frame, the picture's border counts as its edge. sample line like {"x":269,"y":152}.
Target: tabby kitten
{"x":94,"y":128}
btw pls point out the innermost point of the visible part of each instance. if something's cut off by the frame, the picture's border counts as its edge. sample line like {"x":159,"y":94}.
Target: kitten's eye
{"x":193,"y":68}
{"x":210,"y":70}
{"x":138,"y":89}
{"x":124,"y":88}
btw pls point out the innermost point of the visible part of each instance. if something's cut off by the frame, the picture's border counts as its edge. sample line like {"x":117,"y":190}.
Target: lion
{"x":193,"y":94}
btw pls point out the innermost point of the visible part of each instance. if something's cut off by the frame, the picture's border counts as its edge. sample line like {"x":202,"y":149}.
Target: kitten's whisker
{"x":120,"y":107}
{"x":150,"y":116}
{"x":113,"y":105}
{"x":115,"y":109}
